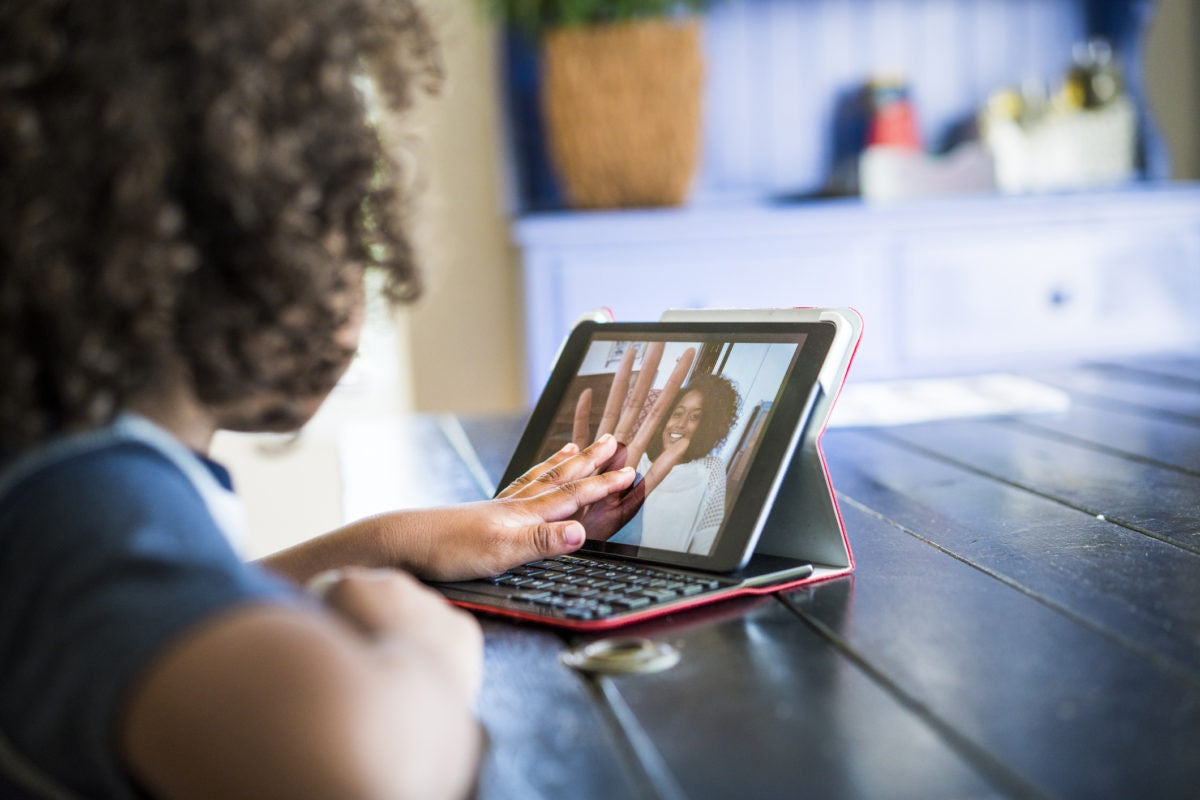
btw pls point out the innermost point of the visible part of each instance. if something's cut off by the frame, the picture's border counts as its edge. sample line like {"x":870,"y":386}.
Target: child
{"x":191,"y":193}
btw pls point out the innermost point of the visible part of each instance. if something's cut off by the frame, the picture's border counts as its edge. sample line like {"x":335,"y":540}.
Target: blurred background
{"x":775,"y":73}
{"x":992,"y":183}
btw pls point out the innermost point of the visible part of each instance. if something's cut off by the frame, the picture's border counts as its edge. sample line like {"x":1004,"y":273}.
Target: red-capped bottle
{"x":893,"y":118}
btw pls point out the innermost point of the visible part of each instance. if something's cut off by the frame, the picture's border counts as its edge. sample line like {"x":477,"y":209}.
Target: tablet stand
{"x":804,"y":522}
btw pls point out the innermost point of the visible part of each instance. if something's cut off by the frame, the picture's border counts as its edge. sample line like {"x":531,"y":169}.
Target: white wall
{"x":464,"y":332}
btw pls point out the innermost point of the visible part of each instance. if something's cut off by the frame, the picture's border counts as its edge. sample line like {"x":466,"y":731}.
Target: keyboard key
{"x":576,"y":591}
{"x":489,"y":589}
{"x":597,"y":583}
{"x":630,"y":603}
{"x":579,"y":613}
{"x":530,"y":597}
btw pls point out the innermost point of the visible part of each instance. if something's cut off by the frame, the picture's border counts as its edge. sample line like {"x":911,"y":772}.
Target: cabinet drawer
{"x":1077,"y":292}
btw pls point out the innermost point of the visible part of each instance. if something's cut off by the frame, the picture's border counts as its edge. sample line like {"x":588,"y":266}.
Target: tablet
{"x":719,"y":407}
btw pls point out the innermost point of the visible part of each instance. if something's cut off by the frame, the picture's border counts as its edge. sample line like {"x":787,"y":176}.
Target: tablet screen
{"x":709,"y":412}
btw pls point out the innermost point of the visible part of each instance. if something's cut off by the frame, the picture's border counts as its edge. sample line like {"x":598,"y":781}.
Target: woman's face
{"x":684,"y":419}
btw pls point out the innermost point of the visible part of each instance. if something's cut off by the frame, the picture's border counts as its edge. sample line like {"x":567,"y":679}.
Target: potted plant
{"x":620,"y":95}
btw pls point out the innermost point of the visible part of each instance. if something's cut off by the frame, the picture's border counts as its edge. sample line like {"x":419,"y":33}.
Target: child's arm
{"x":371,"y":701}
{"x":471,"y":540}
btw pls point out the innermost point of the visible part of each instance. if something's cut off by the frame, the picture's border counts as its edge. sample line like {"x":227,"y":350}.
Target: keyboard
{"x":576,"y":587}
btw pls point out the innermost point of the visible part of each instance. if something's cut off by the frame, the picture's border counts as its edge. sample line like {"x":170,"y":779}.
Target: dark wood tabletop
{"x":1023,"y":621}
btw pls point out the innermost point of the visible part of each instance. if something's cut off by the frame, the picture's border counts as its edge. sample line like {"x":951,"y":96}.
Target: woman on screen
{"x":685,"y":510}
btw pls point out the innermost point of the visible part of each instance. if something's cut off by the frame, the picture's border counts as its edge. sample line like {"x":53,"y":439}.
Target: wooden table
{"x":1023,"y":621}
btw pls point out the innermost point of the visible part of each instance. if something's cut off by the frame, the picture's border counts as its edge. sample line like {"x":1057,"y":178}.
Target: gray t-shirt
{"x":112,"y":545}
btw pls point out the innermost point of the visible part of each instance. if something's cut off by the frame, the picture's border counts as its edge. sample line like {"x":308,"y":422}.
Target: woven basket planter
{"x":621,"y":106}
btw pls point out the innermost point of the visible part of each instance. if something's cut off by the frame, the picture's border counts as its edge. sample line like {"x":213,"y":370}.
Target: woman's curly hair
{"x":192,"y":181}
{"x":722,"y":404}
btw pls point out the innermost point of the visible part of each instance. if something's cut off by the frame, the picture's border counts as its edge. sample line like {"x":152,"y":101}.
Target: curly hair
{"x":193,"y":182}
{"x":722,"y":404}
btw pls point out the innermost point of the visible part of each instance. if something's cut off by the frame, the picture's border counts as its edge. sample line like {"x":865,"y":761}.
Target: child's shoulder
{"x":66,"y":475}
{"x":106,"y":490}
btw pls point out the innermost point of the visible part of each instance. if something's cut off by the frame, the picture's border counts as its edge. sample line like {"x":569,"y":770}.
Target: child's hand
{"x":534,"y":518}
{"x":568,"y":464}
{"x":386,"y":604}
